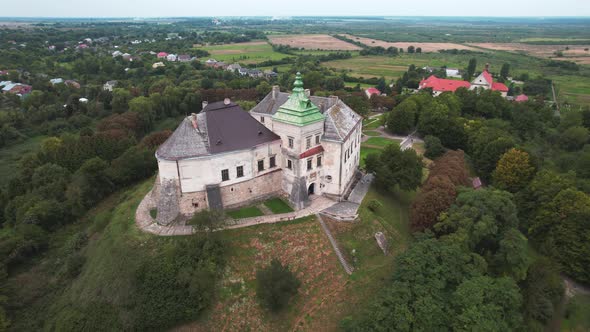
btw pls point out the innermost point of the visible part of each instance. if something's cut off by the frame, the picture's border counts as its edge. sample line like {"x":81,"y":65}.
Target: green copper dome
{"x":298,"y":110}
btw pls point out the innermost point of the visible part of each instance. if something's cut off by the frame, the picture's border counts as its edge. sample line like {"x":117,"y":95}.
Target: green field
{"x":572,"y":86}
{"x":248,"y":53}
{"x":277,"y":206}
{"x":372,"y":133}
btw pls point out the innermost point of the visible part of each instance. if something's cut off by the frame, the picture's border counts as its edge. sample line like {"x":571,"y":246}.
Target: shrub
{"x":434,"y":147}
{"x":74,"y":264}
{"x":374,"y":205}
{"x":276,"y":284}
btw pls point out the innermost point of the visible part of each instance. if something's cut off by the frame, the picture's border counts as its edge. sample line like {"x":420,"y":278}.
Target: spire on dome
{"x":298,"y":109}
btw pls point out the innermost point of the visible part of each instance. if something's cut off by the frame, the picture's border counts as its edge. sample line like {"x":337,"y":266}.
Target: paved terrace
{"x":145,"y":222}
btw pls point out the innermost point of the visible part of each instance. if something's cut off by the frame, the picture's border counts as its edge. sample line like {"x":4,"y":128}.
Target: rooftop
{"x":221,"y":127}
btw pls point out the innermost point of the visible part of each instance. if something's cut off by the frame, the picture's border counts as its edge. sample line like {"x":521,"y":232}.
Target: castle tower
{"x":300,"y":124}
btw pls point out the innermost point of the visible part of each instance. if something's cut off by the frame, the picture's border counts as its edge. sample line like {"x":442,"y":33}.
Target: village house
{"x":17,"y":89}
{"x":370,"y":92}
{"x":158,"y":65}
{"x":482,"y":81}
{"x":171,"y":57}
{"x":233,"y":67}
{"x":117,"y":53}
{"x":162,"y":55}
{"x":290,"y":144}
{"x":72,"y":84}
{"x":55,"y":81}
{"x":109,"y":85}
{"x":184,"y":58}
{"x":210,"y":62}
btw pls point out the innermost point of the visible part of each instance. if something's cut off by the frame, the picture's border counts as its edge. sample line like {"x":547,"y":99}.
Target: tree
{"x":505,"y":71}
{"x":402,"y":119}
{"x":574,"y":138}
{"x":395,"y":168}
{"x":514,"y":171}
{"x":561,"y":230}
{"x":89,"y":185}
{"x":542,"y":291}
{"x":486,"y":161}
{"x":418,"y":50}
{"x":275,"y":285}
{"x":121,"y":98}
{"x":143,"y":106}
{"x":487,"y":304}
{"x":470,"y":69}
{"x":433,"y":146}
{"x":411,"y":49}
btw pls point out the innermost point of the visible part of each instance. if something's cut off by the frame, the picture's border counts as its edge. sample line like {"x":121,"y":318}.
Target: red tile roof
{"x":312,"y":152}
{"x":441,"y":84}
{"x":162,"y":54}
{"x":521,"y":98}
{"x":499,"y":87}
{"x":488,"y":76}
{"x":372,"y":91}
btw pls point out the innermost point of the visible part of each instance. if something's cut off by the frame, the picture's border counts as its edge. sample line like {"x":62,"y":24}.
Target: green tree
{"x":121,"y":98}
{"x":402,"y":119}
{"x":470,"y":69}
{"x":433,"y":146}
{"x":514,"y":170}
{"x":395,"y":168}
{"x":145,"y":108}
{"x":487,"y":304}
{"x":275,"y":285}
{"x":574,"y":138}
{"x":505,"y":71}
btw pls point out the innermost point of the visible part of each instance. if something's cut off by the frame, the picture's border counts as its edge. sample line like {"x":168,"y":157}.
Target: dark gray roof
{"x":220,"y":128}
{"x":340,"y":119}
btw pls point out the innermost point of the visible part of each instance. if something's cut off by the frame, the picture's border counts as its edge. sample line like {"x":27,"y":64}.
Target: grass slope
{"x":277,"y":206}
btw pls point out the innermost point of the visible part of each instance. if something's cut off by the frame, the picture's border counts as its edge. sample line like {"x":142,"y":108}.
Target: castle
{"x":292,"y":145}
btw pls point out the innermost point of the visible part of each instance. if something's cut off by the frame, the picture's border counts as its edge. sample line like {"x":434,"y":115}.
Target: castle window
{"x":291,"y":142}
{"x":319,"y":161}
{"x":317,"y":139}
{"x":261,"y":165}
{"x":224,"y":175}
{"x":289,"y":164}
{"x":309,"y":164}
{"x":240,"y":171}
{"x":262,"y":119}
{"x":273,"y":162}
{"x":308,"y":142}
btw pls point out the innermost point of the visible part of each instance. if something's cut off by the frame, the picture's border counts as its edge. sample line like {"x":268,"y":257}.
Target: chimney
{"x":226,"y":101}
{"x":487,"y":67}
{"x":275,"y":91}
{"x":204,"y":104}
{"x":307,"y":93}
{"x":334,"y":99}
{"x":194,"y":121}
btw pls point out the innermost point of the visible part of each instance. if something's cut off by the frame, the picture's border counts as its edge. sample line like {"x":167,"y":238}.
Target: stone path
{"x":349,"y":269}
{"x":348,"y":210}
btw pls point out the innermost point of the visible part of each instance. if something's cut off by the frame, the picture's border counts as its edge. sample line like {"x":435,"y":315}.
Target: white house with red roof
{"x":372,"y":91}
{"x":440,"y":85}
{"x":483,"y":81}
{"x":162,"y":55}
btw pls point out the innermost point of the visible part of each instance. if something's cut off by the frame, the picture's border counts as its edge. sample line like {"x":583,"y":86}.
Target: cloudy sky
{"x":160,"y":8}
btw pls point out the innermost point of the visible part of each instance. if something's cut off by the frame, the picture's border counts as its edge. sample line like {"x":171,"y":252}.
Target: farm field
{"x":248,"y":53}
{"x":426,"y":47}
{"x":313,"y":42}
{"x":542,"y":51}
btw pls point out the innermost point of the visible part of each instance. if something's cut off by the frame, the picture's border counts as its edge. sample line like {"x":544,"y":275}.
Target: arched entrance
{"x":311,"y":189}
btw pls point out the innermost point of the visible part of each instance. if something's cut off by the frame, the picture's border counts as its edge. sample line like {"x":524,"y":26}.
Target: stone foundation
{"x":236,"y":195}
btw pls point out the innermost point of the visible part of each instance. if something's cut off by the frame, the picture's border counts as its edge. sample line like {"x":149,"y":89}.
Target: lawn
{"x":380,"y":142}
{"x":357,"y":241}
{"x":278,"y":206}
{"x":372,"y":133}
{"x":373,"y":123}
{"x":577,"y":314}
{"x":366,"y":151}
{"x":245,"y":212}
{"x":248,"y":53}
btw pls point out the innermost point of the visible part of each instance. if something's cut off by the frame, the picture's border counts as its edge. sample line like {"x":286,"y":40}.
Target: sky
{"x":185,"y":8}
